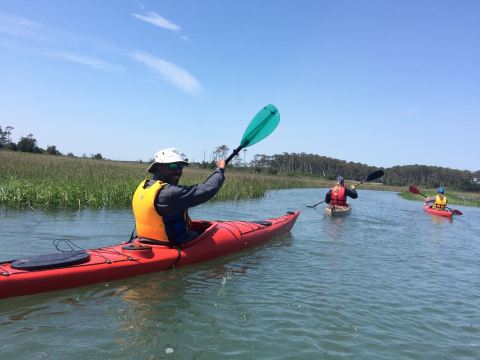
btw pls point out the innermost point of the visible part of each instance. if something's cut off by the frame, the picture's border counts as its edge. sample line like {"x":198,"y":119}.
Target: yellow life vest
{"x":440,"y":202}
{"x":148,"y":222}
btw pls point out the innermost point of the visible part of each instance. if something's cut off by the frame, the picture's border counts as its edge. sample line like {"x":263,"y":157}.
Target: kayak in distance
{"x":444,"y":213}
{"x":338,"y":210}
{"x":64,"y":270}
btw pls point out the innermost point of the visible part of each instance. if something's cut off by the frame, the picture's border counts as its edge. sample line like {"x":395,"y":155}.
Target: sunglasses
{"x":175,"y":166}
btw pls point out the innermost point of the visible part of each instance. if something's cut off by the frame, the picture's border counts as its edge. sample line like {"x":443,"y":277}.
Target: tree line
{"x":29,"y":144}
{"x":302,"y":164}
{"x":330,"y":168}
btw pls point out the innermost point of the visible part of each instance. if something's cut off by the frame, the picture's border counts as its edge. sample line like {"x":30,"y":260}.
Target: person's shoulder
{"x":169,"y":188}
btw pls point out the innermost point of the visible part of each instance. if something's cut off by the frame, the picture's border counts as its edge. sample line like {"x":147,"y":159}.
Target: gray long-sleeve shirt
{"x":174,"y":199}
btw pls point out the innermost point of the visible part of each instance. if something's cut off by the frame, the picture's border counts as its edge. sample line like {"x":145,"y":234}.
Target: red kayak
{"x":444,"y":213}
{"x":70,"y":269}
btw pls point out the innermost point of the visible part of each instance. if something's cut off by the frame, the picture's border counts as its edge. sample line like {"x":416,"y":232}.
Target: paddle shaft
{"x":419,"y":193}
{"x":312,"y":206}
{"x":234,"y":153}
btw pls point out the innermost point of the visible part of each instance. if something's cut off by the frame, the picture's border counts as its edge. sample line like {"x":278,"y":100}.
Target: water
{"x":387,"y":282}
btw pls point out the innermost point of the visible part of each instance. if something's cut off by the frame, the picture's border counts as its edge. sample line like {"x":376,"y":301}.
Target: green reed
{"x":58,"y":182}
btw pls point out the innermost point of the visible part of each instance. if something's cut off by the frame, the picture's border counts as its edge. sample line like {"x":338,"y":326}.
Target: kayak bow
{"x":216,"y":238}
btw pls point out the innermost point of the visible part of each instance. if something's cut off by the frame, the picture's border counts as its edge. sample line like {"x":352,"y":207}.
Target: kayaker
{"x":160,"y":205}
{"x":439,"y":201}
{"x":337,"y":195}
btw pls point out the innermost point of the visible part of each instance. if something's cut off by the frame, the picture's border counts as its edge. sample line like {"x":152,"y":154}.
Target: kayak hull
{"x":217,"y":238}
{"x":443,"y":213}
{"x":337,"y":210}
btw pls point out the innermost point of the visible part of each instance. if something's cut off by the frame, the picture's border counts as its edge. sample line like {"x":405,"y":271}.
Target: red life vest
{"x":338,"y":196}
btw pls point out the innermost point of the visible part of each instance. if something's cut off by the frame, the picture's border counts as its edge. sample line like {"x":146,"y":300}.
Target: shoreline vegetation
{"x":37,"y":181}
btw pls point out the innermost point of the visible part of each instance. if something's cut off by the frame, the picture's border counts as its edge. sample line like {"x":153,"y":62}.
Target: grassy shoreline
{"x":56,"y":182}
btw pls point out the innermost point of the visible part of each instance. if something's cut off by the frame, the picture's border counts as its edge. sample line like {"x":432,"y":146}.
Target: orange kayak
{"x":71,"y":269}
{"x":444,"y":213}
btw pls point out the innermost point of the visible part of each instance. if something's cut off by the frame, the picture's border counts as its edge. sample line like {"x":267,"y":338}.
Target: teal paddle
{"x":415,"y":191}
{"x":373,"y":176}
{"x":260,"y":127}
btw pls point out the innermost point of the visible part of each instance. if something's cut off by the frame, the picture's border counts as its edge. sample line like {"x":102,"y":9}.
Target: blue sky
{"x":379,"y":82}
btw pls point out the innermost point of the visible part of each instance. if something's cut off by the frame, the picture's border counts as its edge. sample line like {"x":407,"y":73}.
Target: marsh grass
{"x":57,"y":182}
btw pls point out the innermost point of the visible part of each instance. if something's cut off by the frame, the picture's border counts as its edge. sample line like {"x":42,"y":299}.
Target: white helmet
{"x":167,"y":156}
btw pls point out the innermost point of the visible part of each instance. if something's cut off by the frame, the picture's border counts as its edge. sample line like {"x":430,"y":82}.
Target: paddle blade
{"x":261,"y":126}
{"x":375,"y":175}
{"x":457,"y":212}
{"x":413,"y":190}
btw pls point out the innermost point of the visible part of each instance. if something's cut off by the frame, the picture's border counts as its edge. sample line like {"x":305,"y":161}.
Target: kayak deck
{"x":217,"y":238}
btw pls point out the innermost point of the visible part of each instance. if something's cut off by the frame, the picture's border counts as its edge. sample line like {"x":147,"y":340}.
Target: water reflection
{"x":336,"y":226}
{"x":175,"y":284}
{"x":159,"y":307}
{"x":440,"y":219}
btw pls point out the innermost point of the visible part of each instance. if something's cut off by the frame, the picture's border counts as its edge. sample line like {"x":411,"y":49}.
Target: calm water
{"x":387,"y":282}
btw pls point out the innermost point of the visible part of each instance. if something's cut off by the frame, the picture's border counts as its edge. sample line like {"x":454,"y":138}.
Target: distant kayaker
{"x":160,"y":205}
{"x":337,"y":195}
{"x":439,"y":201}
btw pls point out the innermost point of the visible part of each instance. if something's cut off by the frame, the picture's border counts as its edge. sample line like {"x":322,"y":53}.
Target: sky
{"x":378,"y":82}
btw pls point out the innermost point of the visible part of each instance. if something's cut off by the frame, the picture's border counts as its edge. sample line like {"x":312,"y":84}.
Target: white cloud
{"x":172,"y":73}
{"x":13,"y":26}
{"x":85,"y":60}
{"x":17,"y":26}
{"x":40,"y":37}
{"x":158,"y":20}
